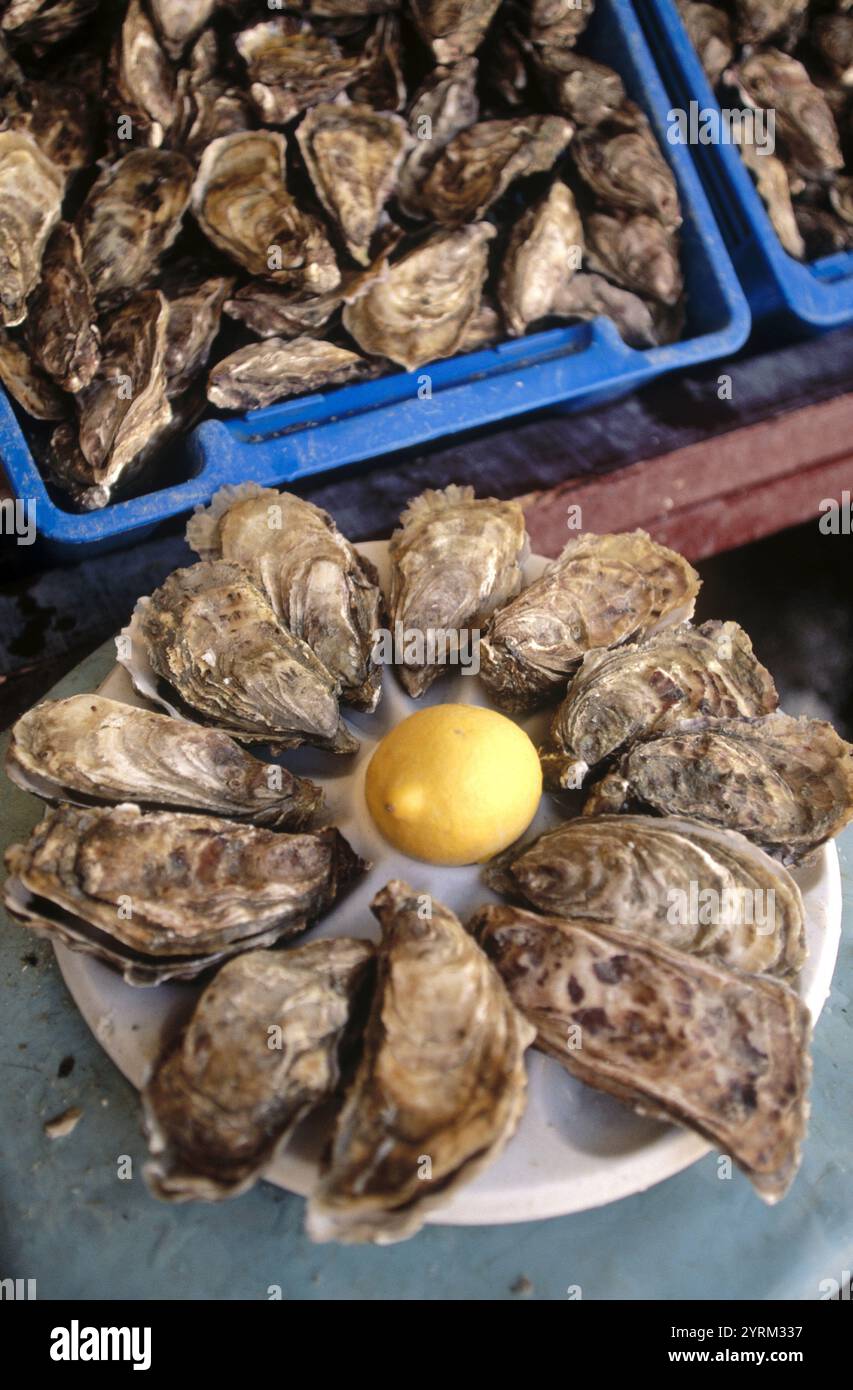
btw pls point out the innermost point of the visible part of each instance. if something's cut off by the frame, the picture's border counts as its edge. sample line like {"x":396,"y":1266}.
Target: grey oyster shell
{"x":453,"y":28}
{"x":710,"y":31}
{"x":772,"y":80}
{"x":480,"y":163}
{"x":641,"y":324}
{"x":132,"y":215}
{"x":291,"y":67}
{"x":353,"y":155}
{"x":585,"y":91}
{"x":442,"y":1074}
{"x":274,"y":369}
{"x":164,"y":896}
{"x":28,"y":385}
{"x":443,"y":105}
{"x":454,"y":559}
{"x":62,"y":330}
{"x":222,"y":1103}
{"x":180,"y":22}
{"x":241,"y":202}
{"x":639,"y":253}
{"x":423,"y":308}
{"x":688,"y":886}
{"x":31,"y":192}
{"x":787,"y":784}
{"x":678,"y":1038}
{"x":624,"y":169}
{"x":542,"y":254}
{"x":317,"y":583}
{"x":600,"y":592}
{"x":618,"y":696}
{"x":91,"y":751}
{"x":213,"y":637}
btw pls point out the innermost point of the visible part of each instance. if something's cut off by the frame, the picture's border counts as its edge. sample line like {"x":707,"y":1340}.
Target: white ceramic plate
{"x":575,"y":1148}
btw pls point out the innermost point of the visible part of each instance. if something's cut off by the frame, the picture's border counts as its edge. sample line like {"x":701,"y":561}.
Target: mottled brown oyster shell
{"x":772,"y":80}
{"x":639,"y":253}
{"x":423,"y":308}
{"x":92,"y":751}
{"x":759,"y":21}
{"x":454,"y":559}
{"x":291,"y":67}
{"x":317,"y":583}
{"x":559,"y":23}
{"x":453,"y":28}
{"x":625,"y":170}
{"x":601,"y":592}
{"x":443,"y":105}
{"x":144,"y":79}
{"x":381,"y":83}
{"x":45,"y":22}
{"x":442,"y":1075}
{"x":62,"y":331}
{"x":678,"y":1038}
{"x":180,"y":22}
{"x":833,"y":37}
{"x":271,"y":312}
{"x":164,"y":896}
{"x":31,"y":192}
{"x":787,"y":784}
{"x":641,"y":324}
{"x":710,"y":31}
{"x":774,"y":189}
{"x":480,"y":163}
{"x":542,"y":254}
{"x":28,"y":385}
{"x":59,"y":116}
{"x":264,"y":1046}
{"x":585,"y":91}
{"x":275,"y":369}
{"x":195,"y":313}
{"x":687,"y":885}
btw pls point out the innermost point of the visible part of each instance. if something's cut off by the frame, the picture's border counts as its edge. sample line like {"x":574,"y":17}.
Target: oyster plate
{"x":575,"y":1148}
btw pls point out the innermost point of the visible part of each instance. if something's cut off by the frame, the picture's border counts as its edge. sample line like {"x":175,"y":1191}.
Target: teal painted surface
{"x":71,"y":1224}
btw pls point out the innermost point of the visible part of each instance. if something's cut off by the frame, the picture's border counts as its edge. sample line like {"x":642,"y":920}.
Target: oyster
{"x":441,"y":1079}
{"x":143,"y":76}
{"x":759,"y":21}
{"x":678,"y":1038}
{"x":381,"y":84}
{"x":29,"y":386}
{"x":639,"y":253}
{"x":600,"y":592}
{"x":710,"y":32}
{"x":454,"y":559}
{"x":422,"y":310}
{"x":444,"y":105}
{"x":132,"y":215}
{"x":785,"y":783}
{"x":774,"y":188}
{"x":62,"y":331}
{"x":353,"y":155}
{"x":586,"y":297}
{"x":823,"y":231}
{"x":180,"y":22}
{"x":559,"y":23}
{"x":58,"y":116}
{"x":211,"y":634}
{"x":480,"y":163}
{"x":291,"y":67}
{"x":92,"y":751}
{"x":484,"y":329}
{"x":541,"y":256}
{"x":162,"y":895}
{"x":276,"y":313}
{"x":625,"y":169}
{"x":769,"y":80}
{"x":31,"y":192}
{"x":688,"y":886}
{"x":45,"y":22}
{"x":274,"y":369}
{"x":241,"y":202}
{"x":317,"y":583}
{"x":841,"y":197}
{"x":833,"y":38}
{"x":195,"y":313}
{"x":639,"y":688}
{"x":262,"y":1049}
{"x":587,"y":92}
{"x":454,"y":28}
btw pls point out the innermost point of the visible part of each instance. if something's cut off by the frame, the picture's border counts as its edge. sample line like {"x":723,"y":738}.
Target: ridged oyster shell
{"x":317,"y":583}
{"x":678,"y":1038}
{"x":89,"y":750}
{"x":62,"y":331}
{"x":601,"y":591}
{"x":222,"y":1103}
{"x":291,"y":67}
{"x":442,"y":1076}
{"x":163,"y":895}
{"x":538,"y":260}
{"x":262,"y":373}
{"x":453,"y":28}
{"x":31,"y":192}
{"x":687,"y":885}
{"x":480,"y":163}
{"x":27,"y":384}
{"x":454,"y":559}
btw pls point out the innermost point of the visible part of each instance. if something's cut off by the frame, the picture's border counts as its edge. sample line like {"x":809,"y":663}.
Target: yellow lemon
{"x":454,"y":784}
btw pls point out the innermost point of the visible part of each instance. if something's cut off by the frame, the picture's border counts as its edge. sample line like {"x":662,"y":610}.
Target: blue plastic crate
{"x":568,"y":368}
{"x":818,"y":294}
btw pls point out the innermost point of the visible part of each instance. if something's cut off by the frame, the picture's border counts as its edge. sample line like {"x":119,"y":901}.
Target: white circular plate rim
{"x":130,"y":1023}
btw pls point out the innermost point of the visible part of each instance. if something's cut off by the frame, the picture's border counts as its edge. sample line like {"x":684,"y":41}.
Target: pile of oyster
{"x":201,"y":207}
{"x":651,"y":945}
{"x":793,"y":58}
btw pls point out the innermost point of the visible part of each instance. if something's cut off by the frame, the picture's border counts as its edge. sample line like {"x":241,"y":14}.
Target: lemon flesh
{"x":454,"y":784}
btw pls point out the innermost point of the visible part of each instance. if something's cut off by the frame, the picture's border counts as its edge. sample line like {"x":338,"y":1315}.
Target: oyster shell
{"x":445,"y":104}
{"x":292,"y":67}
{"x":823,"y":231}
{"x":710,"y":32}
{"x":785,"y":783}
{"x":769,"y":80}
{"x":625,"y":169}
{"x":539,"y":258}
{"x":441,"y":1077}
{"x":586,"y":297}
{"x":833,"y":37}
{"x":480,"y":163}
{"x":45,"y":22}
{"x":211,"y":634}
{"x":600,"y":592}
{"x":759,"y":21}
{"x":453,"y":28}
{"x":62,"y":331}
{"x":275,"y":313}
{"x":353,"y":155}
{"x":676,"y":1037}
{"x":274,"y":369}
{"x":59,"y":116}
{"x":195,"y":313}
{"x":31,"y":192}
{"x":381,"y":83}
{"x":422,"y":310}
{"x":92,"y":751}
{"x":162,"y":895}
{"x":774,"y":188}
{"x":143,"y":76}
{"x":28,"y":385}
{"x":241,"y":202}
{"x":180,"y":22}
{"x":643,"y":687}
{"x":317,"y":583}
{"x":222,"y":1103}
{"x":639,"y":253}
{"x":587,"y":92}
{"x":688,"y":886}
{"x":559,"y":23}
{"x":454,"y":559}
{"x":132,"y":215}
